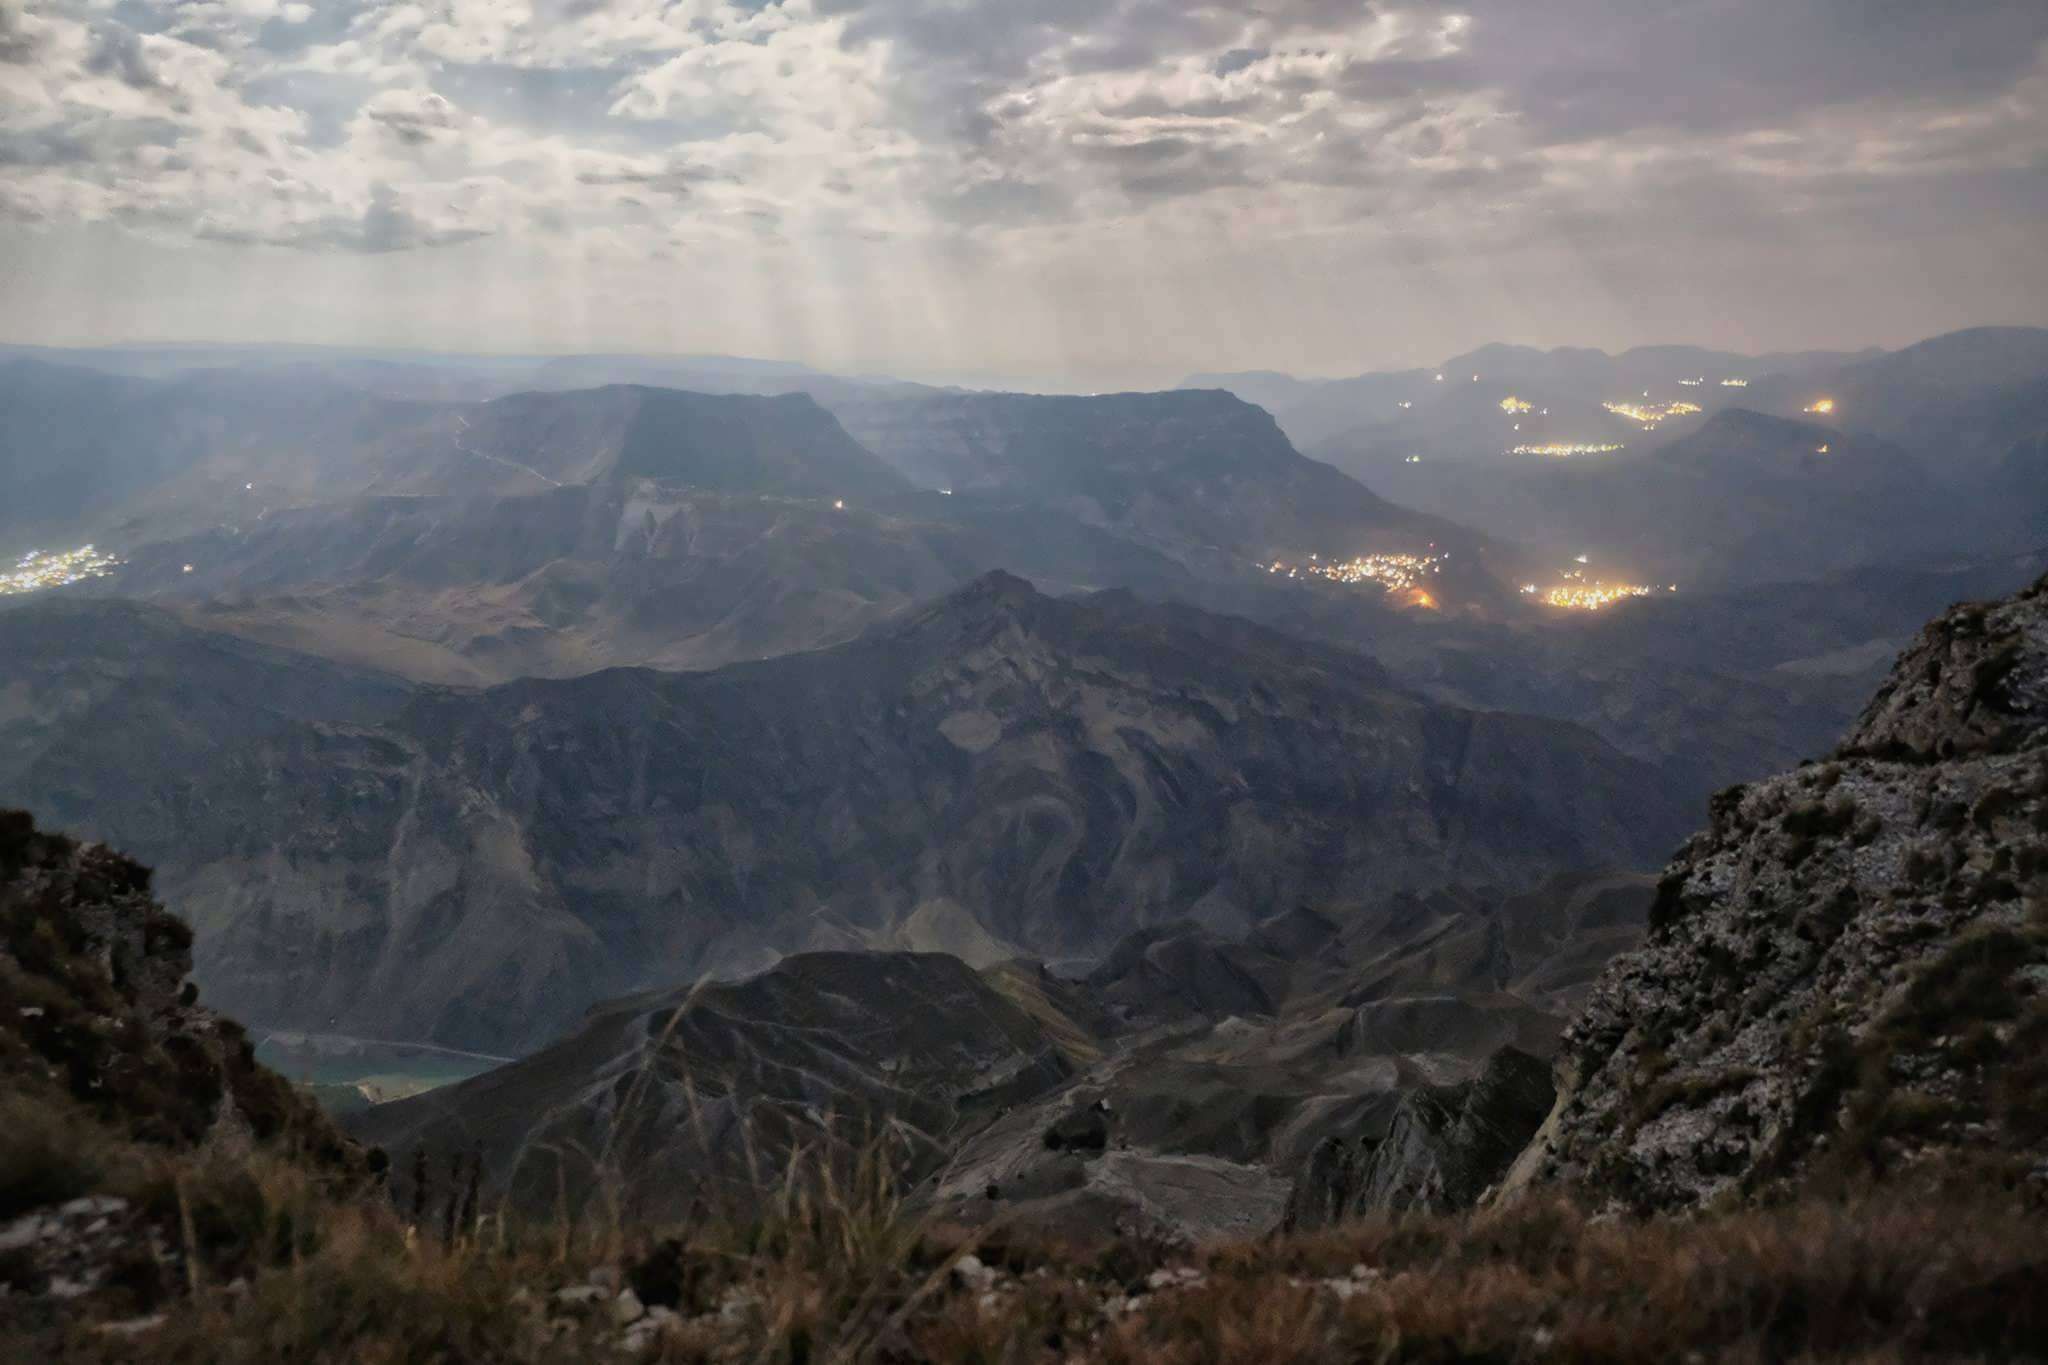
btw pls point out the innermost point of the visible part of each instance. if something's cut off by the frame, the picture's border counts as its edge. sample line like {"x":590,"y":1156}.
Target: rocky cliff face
{"x":1446,"y":1145}
{"x":1847,"y":972}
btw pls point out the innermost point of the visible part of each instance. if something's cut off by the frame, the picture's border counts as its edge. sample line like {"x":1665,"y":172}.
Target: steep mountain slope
{"x":131,"y":462}
{"x":1199,"y":475}
{"x":95,"y":688}
{"x":1959,"y":400}
{"x":1847,"y":972}
{"x":1171,"y":1088}
{"x":787,"y":446}
{"x":1711,"y":687}
{"x":1229,"y":1066}
{"x":700,"y":1097}
{"x":1002,"y":768}
{"x":90,"y":456}
{"x":1744,"y":495}
{"x":1741,"y":497}
{"x":623,"y":571}
{"x":549,"y":534}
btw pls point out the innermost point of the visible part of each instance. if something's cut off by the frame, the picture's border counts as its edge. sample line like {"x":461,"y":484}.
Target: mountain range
{"x":1001,"y":772}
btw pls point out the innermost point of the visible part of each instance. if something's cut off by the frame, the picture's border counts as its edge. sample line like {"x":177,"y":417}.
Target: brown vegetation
{"x":284,"y":1273}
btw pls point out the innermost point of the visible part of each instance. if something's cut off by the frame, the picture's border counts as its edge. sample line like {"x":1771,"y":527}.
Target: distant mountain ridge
{"x":1200,"y":475}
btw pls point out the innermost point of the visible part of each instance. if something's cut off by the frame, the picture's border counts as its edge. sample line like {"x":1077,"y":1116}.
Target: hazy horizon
{"x":960,"y":378}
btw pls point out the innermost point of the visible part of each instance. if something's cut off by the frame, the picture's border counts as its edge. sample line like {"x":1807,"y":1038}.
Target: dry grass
{"x":840,"y":1272}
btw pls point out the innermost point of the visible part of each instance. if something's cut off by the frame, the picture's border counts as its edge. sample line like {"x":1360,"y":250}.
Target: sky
{"x":1120,"y":191}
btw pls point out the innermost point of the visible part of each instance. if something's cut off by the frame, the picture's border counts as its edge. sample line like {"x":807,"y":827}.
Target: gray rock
{"x":1445,"y":1146}
{"x":1842,"y":969}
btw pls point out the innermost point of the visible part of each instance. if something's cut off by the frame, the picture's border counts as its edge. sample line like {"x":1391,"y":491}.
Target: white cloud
{"x":920,"y":139}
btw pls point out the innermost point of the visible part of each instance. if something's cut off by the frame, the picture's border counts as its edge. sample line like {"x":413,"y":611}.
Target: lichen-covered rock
{"x":1975,"y":682}
{"x":1847,"y":972}
{"x":1445,"y":1146}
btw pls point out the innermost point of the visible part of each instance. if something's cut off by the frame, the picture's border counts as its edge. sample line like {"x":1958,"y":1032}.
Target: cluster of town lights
{"x":1577,"y":592}
{"x":1559,"y":450}
{"x":37,"y":570}
{"x":1650,"y":414}
{"x":1393,"y":572}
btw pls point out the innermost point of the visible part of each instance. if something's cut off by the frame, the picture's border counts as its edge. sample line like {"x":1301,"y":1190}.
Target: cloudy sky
{"x":1117,"y":189}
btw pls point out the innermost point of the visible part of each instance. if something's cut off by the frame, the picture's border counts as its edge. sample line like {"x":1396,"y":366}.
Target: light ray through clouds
{"x":1134,"y":187}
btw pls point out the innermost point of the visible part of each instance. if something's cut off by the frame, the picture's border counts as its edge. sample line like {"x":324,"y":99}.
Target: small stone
{"x":580,"y":1295}
{"x":973,"y":1274}
{"x":1176,"y":1278}
{"x":64,"y":1287}
{"x":131,"y":1327}
{"x":23,"y":1232}
{"x":93,"y":1206}
{"x":627,"y":1308}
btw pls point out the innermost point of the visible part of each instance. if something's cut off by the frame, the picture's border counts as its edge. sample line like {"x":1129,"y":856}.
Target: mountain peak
{"x":997,"y":585}
{"x":995,"y":594}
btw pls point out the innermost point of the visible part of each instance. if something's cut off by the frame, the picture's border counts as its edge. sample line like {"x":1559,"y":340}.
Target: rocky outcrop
{"x":1847,"y":971}
{"x":116,"y":1086}
{"x":1197,"y":1107}
{"x":99,"y":1017}
{"x":1445,"y":1146}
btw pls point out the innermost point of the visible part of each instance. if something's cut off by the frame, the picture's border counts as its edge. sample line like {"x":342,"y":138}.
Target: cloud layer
{"x":1051,"y":182}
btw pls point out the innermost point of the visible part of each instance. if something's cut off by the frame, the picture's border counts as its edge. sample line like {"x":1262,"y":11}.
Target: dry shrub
{"x":1916,"y":1273}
